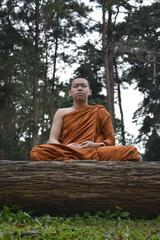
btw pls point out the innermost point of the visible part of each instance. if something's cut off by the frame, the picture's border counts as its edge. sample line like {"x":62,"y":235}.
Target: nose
{"x":79,"y":88}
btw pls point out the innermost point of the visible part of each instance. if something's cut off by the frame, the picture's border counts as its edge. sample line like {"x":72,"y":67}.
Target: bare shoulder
{"x":62,"y":111}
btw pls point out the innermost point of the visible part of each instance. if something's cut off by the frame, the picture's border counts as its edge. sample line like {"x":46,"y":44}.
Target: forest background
{"x":40,"y":40}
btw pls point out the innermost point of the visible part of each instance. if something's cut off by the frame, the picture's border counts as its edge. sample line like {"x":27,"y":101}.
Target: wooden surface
{"x":70,"y":187}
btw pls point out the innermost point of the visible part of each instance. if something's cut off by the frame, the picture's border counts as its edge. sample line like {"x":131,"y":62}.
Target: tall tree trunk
{"x":120,"y":105}
{"x":6,"y":74}
{"x":44,"y":94}
{"x":53,"y":107}
{"x":36,"y":75}
{"x":108,"y":53}
{"x":7,"y":122}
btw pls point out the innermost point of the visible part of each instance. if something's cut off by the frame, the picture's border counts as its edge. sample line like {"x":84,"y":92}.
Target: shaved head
{"x":77,"y":79}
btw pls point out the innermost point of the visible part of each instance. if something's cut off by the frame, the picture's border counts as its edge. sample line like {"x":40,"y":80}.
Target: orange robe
{"x":89,"y":123}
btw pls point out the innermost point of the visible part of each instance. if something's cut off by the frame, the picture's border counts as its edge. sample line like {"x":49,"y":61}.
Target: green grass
{"x":16,"y":224}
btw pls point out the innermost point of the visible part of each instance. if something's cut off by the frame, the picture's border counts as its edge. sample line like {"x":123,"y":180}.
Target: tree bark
{"x":59,"y":187}
{"x":123,"y":140}
{"x":108,"y":52}
{"x":36,"y":75}
{"x":53,"y":99}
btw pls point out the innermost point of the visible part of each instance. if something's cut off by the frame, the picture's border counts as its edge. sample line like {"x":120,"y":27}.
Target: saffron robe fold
{"x":89,"y":123}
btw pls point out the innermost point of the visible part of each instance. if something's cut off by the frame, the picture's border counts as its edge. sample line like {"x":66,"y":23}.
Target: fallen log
{"x":58,"y":187}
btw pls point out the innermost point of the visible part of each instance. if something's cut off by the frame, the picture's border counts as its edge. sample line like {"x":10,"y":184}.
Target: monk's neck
{"x":79,"y":105}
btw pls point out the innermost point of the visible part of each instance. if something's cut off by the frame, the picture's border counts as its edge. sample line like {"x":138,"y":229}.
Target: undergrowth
{"x":16,"y":224}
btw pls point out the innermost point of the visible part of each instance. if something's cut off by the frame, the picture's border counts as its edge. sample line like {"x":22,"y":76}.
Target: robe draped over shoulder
{"x":89,"y":123}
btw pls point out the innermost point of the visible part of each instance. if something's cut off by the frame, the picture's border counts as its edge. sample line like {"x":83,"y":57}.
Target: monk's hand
{"x":74,"y":145}
{"x":90,"y":144}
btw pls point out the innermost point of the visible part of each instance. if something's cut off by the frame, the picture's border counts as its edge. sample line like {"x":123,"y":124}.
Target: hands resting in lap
{"x":86,"y":144}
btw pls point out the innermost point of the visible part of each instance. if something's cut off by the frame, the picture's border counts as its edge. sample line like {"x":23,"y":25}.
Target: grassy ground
{"x":16,"y":224}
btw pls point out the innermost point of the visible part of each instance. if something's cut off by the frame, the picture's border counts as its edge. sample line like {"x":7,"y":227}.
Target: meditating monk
{"x":82,"y":132}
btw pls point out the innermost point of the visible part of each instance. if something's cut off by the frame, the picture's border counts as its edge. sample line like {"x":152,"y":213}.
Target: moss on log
{"x":70,"y":187}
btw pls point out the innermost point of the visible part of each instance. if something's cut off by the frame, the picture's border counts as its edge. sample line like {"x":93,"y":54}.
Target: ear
{"x":90,"y":92}
{"x":69,"y":93}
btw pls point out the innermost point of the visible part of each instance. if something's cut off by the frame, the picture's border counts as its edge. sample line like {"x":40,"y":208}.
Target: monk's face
{"x":80,"y":89}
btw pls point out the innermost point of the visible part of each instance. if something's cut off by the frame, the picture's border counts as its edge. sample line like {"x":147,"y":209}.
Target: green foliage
{"x":141,"y":50}
{"x":152,"y":152}
{"x":28,"y":30}
{"x":17,"y":224}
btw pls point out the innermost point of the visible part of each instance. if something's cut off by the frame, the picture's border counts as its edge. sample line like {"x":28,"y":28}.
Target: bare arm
{"x":56,"y":127}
